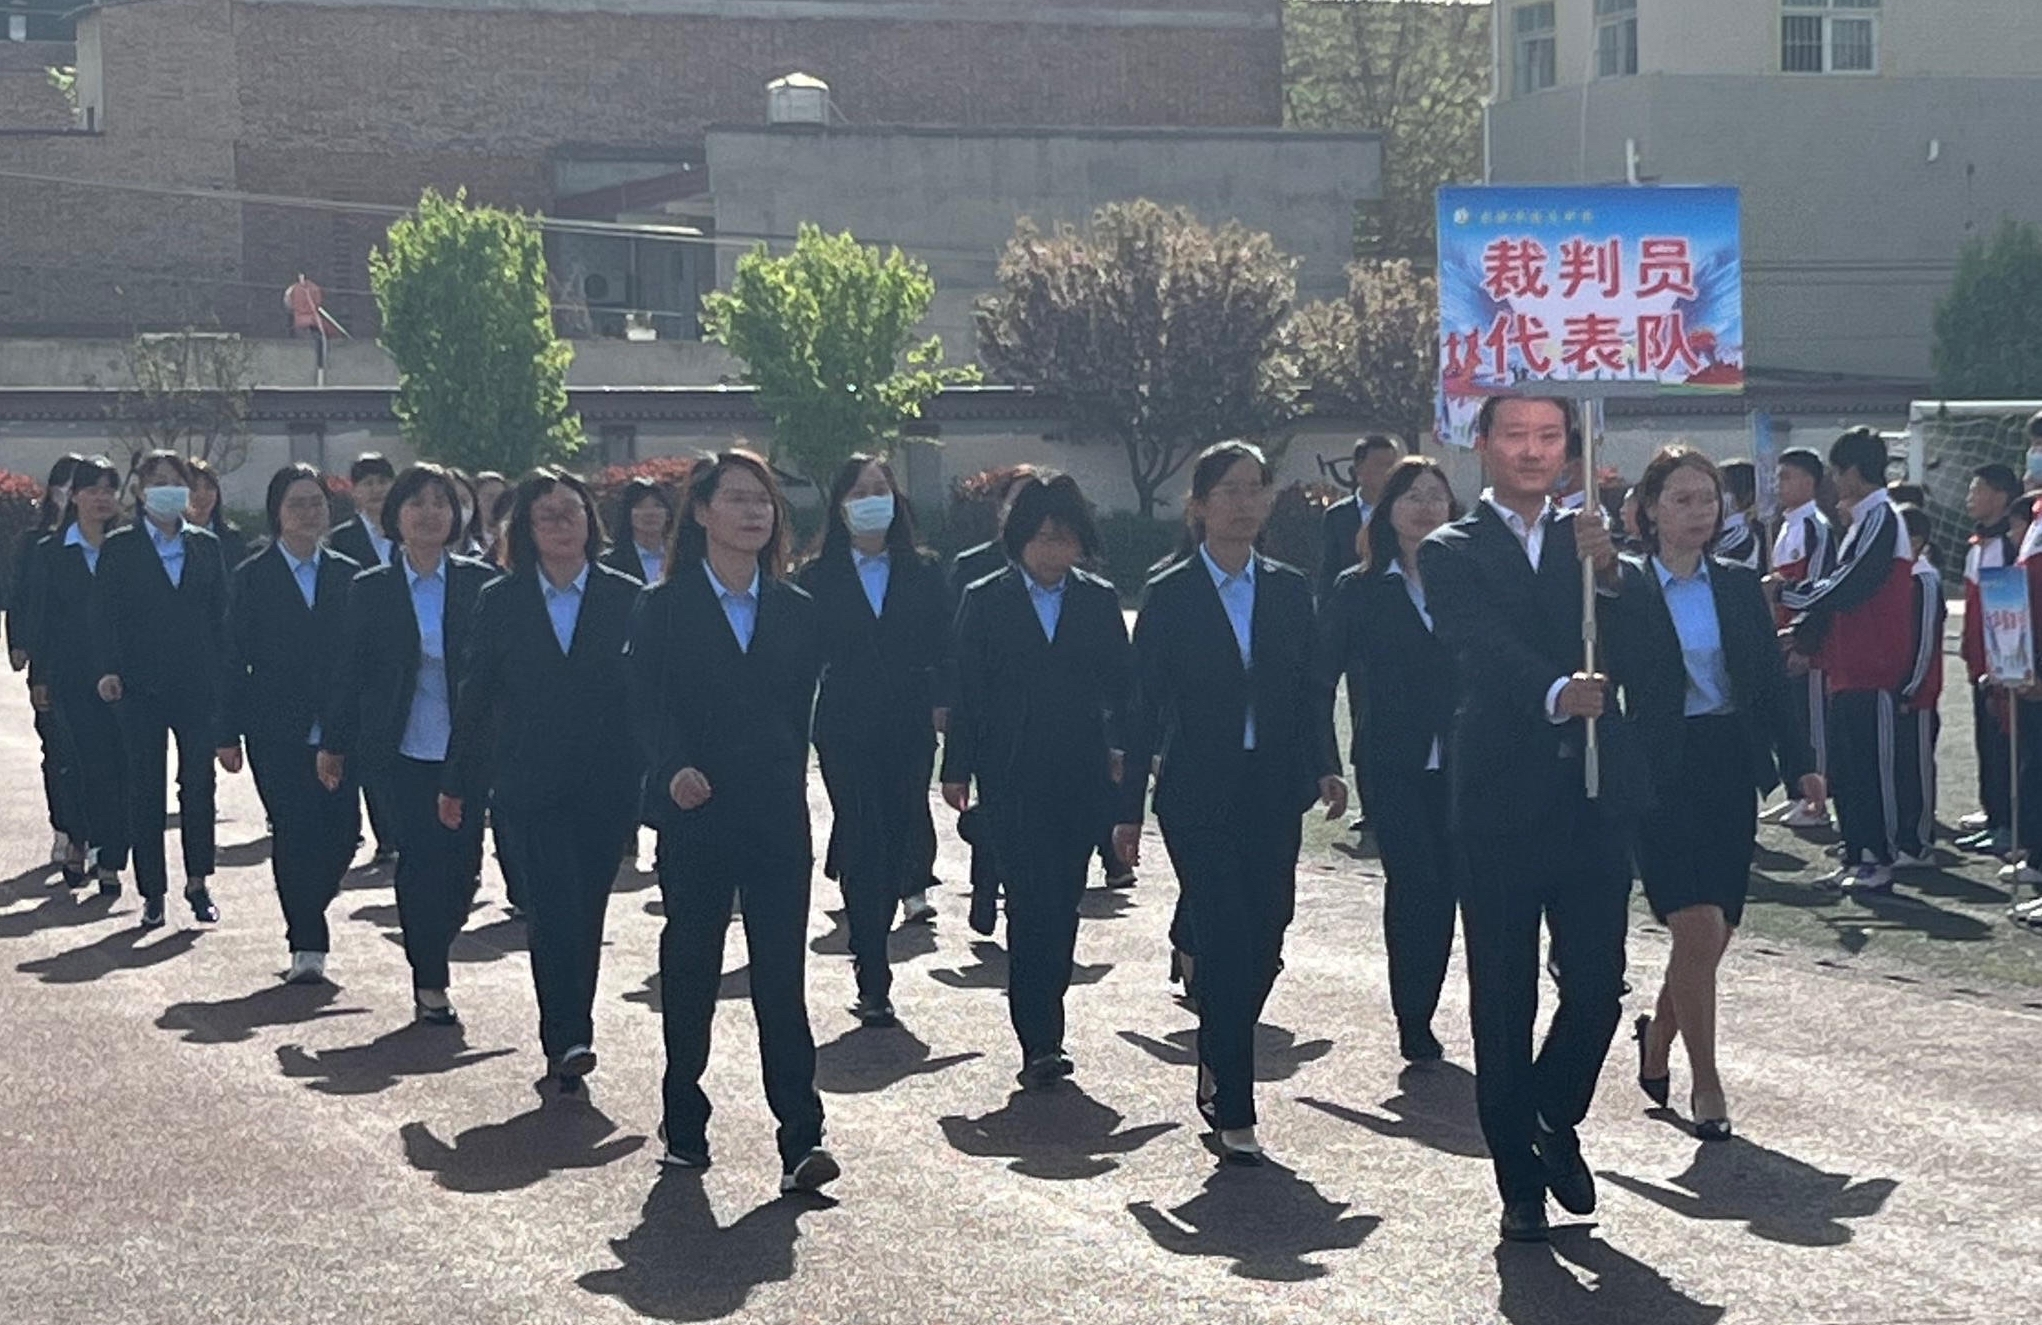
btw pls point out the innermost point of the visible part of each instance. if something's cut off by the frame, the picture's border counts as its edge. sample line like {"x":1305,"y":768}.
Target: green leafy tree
{"x":1989,"y":326}
{"x":1374,"y":356}
{"x":827,"y":335}
{"x":1415,"y":71}
{"x":1150,"y":330}
{"x":481,"y":376}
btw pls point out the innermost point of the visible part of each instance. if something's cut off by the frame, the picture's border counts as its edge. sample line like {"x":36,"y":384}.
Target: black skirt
{"x":1695,"y":845}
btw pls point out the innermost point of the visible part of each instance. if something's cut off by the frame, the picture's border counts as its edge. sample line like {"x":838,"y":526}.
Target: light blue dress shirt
{"x":1237,"y":596}
{"x":741,"y":610}
{"x":170,"y":547}
{"x":306,"y":573}
{"x":1048,"y":603}
{"x":378,"y":542}
{"x":75,"y":537}
{"x":431,"y":720}
{"x":563,"y":605}
{"x":873,"y":574}
{"x":1692,"y":604}
{"x":651,"y":562}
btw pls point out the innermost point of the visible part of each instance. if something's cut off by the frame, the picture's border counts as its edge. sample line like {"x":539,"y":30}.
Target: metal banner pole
{"x":1591,"y":751}
{"x":2014,"y":778}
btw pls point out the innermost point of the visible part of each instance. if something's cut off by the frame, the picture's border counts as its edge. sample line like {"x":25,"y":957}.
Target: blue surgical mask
{"x":869,"y":515}
{"x":166,"y":501}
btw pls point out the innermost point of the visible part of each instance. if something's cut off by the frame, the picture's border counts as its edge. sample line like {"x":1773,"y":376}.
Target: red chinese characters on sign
{"x":1665,"y":267}
{"x":1593,"y":342}
{"x":1662,"y":339}
{"x":1584,"y":263}
{"x":1515,"y":267}
{"x":1521,"y":332}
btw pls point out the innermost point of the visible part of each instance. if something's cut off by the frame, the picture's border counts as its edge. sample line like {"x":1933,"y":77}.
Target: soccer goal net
{"x":1946,"y":441}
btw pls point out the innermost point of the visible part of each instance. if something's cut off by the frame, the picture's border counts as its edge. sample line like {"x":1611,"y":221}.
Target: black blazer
{"x":1192,"y":694}
{"x":1645,"y":660}
{"x":539,"y":727}
{"x":23,"y":571}
{"x":378,"y":674}
{"x":739,"y":717}
{"x":1400,"y":678}
{"x":164,"y":640}
{"x":59,"y":620}
{"x":351,"y":540}
{"x":1036,"y":719}
{"x":881,"y":675}
{"x":622,"y":557}
{"x":1512,"y":632}
{"x":1337,"y":531}
{"x":283,"y":653}
{"x":974,"y":564}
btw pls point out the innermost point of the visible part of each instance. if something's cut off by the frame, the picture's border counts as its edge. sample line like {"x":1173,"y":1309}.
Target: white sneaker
{"x":1807,"y":815}
{"x":60,"y":848}
{"x":1773,"y":814}
{"x":915,"y":908}
{"x":1976,"y":821}
{"x":1870,"y":879}
{"x":306,"y":968}
{"x":2026,"y":910}
{"x":2019,"y":874}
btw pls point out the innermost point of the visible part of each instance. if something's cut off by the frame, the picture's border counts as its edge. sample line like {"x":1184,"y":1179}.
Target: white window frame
{"x":1829,"y":13}
{"x":1521,"y":40}
{"x":1616,"y":16}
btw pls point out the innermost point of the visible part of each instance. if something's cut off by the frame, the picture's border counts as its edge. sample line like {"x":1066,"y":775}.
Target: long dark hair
{"x":836,"y":535}
{"x":90,"y":471}
{"x":1653,"y":483}
{"x":643,"y":488}
{"x":1212,"y":466}
{"x":691,"y":540}
{"x":521,"y":549}
{"x":49,"y":512}
{"x":202,"y":471}
{"x":280,"y":484}
{"x":1380,"y":549}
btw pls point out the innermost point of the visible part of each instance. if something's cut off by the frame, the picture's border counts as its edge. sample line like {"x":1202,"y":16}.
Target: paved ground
{"x":184,"y":1139}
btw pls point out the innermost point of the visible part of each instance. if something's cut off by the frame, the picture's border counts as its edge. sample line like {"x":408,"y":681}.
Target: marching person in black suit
{"x":885,"y":617}
{"x":1227,"y":703}
{"x":362,"y":541}
{"x":1707,"y":693}
{"x":207,"y":511}
{"x":162,"y":642}
{"x":1374,"y":457}
{"x":645,"y":525}
{"x":724,"y":660}
{"x":1377,"y":631}
{"x":1503,"y":585}
{"x":64,"y":667}
{"x":538,"y":722}
{"x":287,"y":626}
{"x":391,"y":717}
{"x":63,"y":793}
{"x":1042,"y":674}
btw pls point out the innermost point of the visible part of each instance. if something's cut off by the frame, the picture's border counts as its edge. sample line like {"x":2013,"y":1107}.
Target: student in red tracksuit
{"x":2028,"y":757}
{"x":1989,"y":502}
{"x":1805,"y":549}
{"x":1914,"y":747}
{"x":1856,"y":625}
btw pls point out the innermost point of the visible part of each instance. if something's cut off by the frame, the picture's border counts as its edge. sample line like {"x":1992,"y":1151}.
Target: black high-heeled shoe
{"x":1657,"y":1089}
{"x":1714,"y":1127}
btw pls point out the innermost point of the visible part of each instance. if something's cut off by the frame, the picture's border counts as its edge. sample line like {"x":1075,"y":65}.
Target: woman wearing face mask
{"x":64,"y":669}
{"x":391,"y":716}
{"x":1227,"y":701}
{"x":162,"y":641}
{"x":1691,"y":643}
{"x":1375,"y":630}
{"x":61,"y":794}
{"x":645,"y":528}
{"x":208,"y":512}
{"x":288,"y":627}
{"x":885,"y":615}
{"x":1042,"y":666}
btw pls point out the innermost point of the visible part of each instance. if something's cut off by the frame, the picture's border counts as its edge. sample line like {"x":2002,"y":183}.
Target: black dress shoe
{"x":1657,"y":1089}
{"x":202,"y":908}
{"x":152,"y":913}
{"x":1044,"y":1071}
{"x":874,"y":1012}
{"x":1421,"y":1046}
{"x":445,"y":1016}
{"x":1525,"y":1221}
{"x":1567,"y":1175}
{"x":683,"y":1155}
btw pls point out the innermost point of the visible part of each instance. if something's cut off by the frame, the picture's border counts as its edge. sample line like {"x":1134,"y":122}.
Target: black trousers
{"x":696,"y":879}
{"x":1862,"y":755}
{"x":382,"y":824}
{"x":148,"y":723}
{"x":312,"y":836}
{"x":436,"y":868}
{"x":63,"y":793}
{"x":1045,"y":854}
{"x":882,"y":841}
{"x":1238,"y":877}
{"x":1914,"y":778}
{"x":1417,"y":846}
{"x":1576,"y":879}
{"x":568,"y":856}
{"x":2029,"y":770}
{"x":1810,"y":697}
{"x":515,"y":890}
{"x":94,"y":730}
{"x":1989,"y":738}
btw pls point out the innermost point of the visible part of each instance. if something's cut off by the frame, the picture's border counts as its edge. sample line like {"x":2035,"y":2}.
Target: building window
{"x":1616,"y":38}
{"x":618,"y":443}
{"x":1535,"y":65}
{"x":1829,"y":37}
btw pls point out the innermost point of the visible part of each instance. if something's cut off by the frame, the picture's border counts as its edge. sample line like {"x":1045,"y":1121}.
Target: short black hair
{"x":414,"y":481}
{"x":1047,"y":496}
{"x":1998,"y":477}
{"x":1486,"y":419}
{"x":371,"y":464}
{"x":521,"y":549}
{"x":279,"y":484}
{"x":1861,"y":451}
{"x":1740,"y":482}
{"x":148,"y":460}
{"x":1916,"y":521}
{"x":1374,"y":442}
{"x":641,"y":488}
{"x":91,"y":471}
{"x":1904,"y":493}
{"x":1804,"y":459}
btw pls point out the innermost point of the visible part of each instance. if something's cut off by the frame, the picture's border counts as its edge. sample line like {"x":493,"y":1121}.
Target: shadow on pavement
{"x":1105,"y":903}
{"x":244,"y":853}
{"x":27,"y":883}
{"x":988,"y":969}
{"x":1856,"y":920}
{"x":905,"y":943}
{"x":1060,"y":1135}
{"x":864,"y":1061}
{"x":363,"y":1069}
{"x":552,"y":1136}
{"x":680,"y":1264}
{"x":122,"y":950}
{"x":231,"y":1020}
{"x":60,"y":908}
{"x":1266,"y":1220}
{"x":1775,"y":1196}
{"x":1538,"y":1287}
{"x":1434,"y":1106}
{"x":736,"y":984}
{"x":1279,"y":1054}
